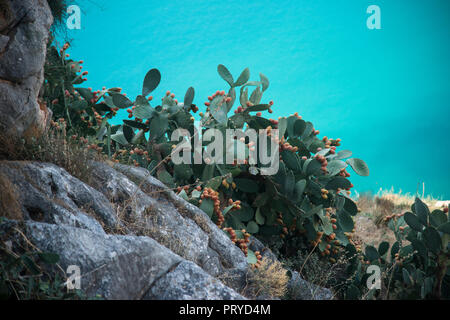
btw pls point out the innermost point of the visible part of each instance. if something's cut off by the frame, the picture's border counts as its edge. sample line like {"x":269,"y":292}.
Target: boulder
{"x":112,"y":266}
{"x":47,"y":193}
{"x":188,"y":282}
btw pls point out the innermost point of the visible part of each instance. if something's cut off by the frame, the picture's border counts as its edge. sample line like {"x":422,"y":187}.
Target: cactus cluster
{"x":416,"y":265}
{"x":307,"y":198}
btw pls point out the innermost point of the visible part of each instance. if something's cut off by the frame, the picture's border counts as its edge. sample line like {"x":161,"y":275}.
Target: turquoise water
{"x":385,"y":92}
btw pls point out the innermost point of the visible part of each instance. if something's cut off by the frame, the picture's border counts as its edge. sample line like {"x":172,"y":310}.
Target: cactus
{"x":86,"y":112}
{"x":306,"y":202}
{"x":308,"y":198}
{"x":417,"y":265}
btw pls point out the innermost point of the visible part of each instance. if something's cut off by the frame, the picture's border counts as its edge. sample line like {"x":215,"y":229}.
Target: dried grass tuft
{"x":268,"y":280}
{"x":55,"y":147}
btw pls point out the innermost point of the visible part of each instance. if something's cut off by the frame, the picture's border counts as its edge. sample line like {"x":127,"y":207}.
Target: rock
{"x":113,"y":266}
{"x":220,"y":246}
{"x":47,"y":193}
{"x":167,"y":248}
{"x":187,"y":282}
{"x":300,"y":289}
{"x":124,"y":267}
{"x":66,"y":216}
{"x":153,"y":216}
{"x":23,"y":39}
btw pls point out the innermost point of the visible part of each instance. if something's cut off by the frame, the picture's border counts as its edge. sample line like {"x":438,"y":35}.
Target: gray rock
{"x":113,"y":266}
{"x":24,"y":34}
{"x":230,"y":255}
{"x":66,"y":216}
{"x":300,"y":289}
{"x":47,"y":193}
{"x":124,"y":267}
{"x":188,"y":282}
{"x":155,"y":217}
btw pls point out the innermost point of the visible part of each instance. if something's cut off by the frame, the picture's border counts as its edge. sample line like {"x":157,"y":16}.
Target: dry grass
{"x":54,"y":147}
{"x":369,"y":224}
{"x":268,"y":280}
{"x":405,"y":200}
{"x":9,"y":204}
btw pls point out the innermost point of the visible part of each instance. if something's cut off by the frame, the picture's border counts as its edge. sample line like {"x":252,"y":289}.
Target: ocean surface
{"x":384,"y":92}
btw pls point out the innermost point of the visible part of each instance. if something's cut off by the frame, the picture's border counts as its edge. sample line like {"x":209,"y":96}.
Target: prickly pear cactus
{"x":307,"y":198}
{"x":415,"y":266}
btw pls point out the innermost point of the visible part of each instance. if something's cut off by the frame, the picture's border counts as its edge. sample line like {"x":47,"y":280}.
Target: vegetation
{"x":416,"y":265}
{"x":54,"y":146}
{"x":371,"y":225}
{"x":303,"y":209}
{"x":269,"y":280}
{"x":58,"y":9}
{"x":308,"y":196}
{"x":304,"y":212}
